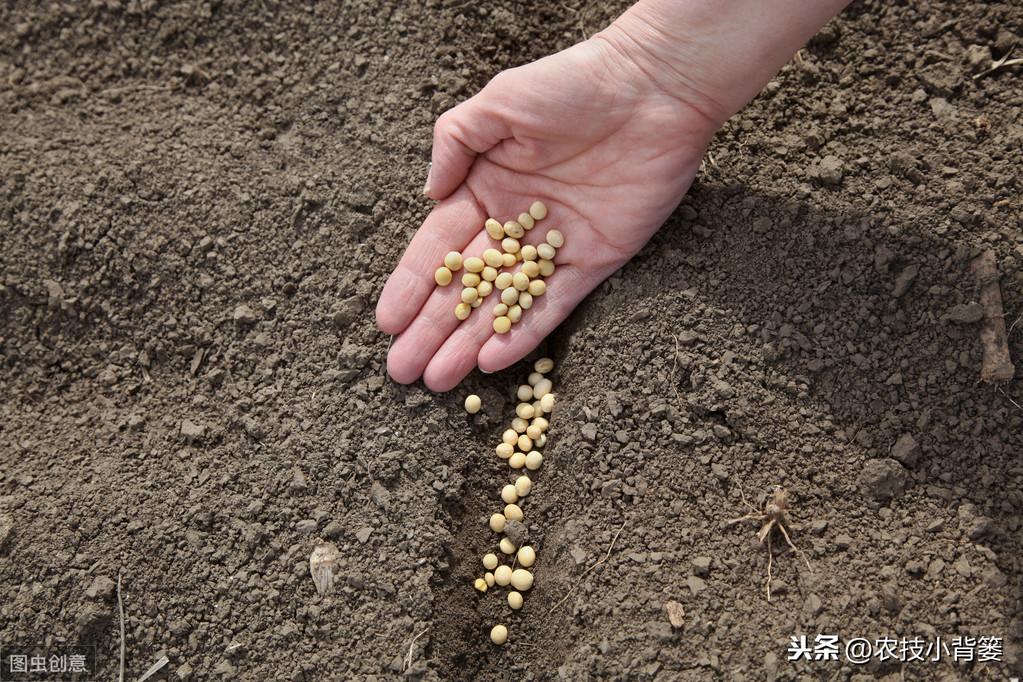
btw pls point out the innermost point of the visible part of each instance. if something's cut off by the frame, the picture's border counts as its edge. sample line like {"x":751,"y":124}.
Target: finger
{"x":416,"y":345}
{"x":449,"y":227}
{"x":457,"y":355}
{"x":566,"y":288}
{"x":460,"y":134}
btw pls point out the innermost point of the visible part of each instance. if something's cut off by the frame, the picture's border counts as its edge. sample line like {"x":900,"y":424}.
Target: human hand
{"x":610,"y":152}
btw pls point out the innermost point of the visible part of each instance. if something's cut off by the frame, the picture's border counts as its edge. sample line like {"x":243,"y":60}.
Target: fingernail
{"x":485,"y":371}
{"x":426,"y":186}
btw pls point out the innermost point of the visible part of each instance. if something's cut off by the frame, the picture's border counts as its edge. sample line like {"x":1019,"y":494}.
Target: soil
{"x":199,"y":203}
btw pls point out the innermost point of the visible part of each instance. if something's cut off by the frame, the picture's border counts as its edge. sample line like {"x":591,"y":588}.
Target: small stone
{"x":362,"y":535}
{"x":962,"y":567}
{"x":883,"y":478}
{"x":101,"y":588}
{"x":696,"y":585}
{"x":676,"y":614}
{"x":818,"y":526}
{"x":334,"y":530}
{"x":191,"y":431}
{"x":589,"y":432}
{"x":843,"y":541}
{"x":244,"y":315}
{"x":517,"y":532}
{"x":778,"y":587}
{"x":813,"y":605}
{"x":906,"y":450}
{"x":831,"y":170}
{"x":578,"y":555}
{"x":701,"y":565}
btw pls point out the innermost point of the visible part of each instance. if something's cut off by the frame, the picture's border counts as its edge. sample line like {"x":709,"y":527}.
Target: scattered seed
{"x":521,"y":579}
{"x":538,"y":210}
{"x":484,"y":289}
{"x":542,"y":388}
{"x":494,"y":229}
{"x":510,"y":296}
{"x":540,"y":422}
{"x":510,"y":437}
{"x":531,"y":269}
{"x":462,"y":311}
{"x":513,"y":229}
{"x":502,"y":575}
{"x":469,"y":294}
{"x":533,"y":460}
{"x":520,"y":281}
{"x":497,"y":522}
{"x":515,"y":600}
{"x":526,"y":556}
{"x":524,"y":392}
{"x":525,"y":300}
{"x":489,"y":577}
{"x":547,"y":403}
{"x":474,"y":264}
{"x":510,"y":245}
{"x":470,"y":279}
{"x":555,"y":238}
{"x":537,"y":287}
{"x":490,"y":561}
{"x":493,"y":258}
{"x":534,"y":378}
{"x":525,"y":443}
{"x":499,"y":634}
{"x":546,"y":267}
{"x":502,"y":324}
{"x":546,"y":251}
{"x":500,"y":309}
{"x":534,"y":431}
{"x":524,"y":410}
{"x":507,"y":546}
{"x":523,"y":486}
{"x":526,"y":221}
{"x":473,"y":404}
{"x":515,"y":313}
{"x":477,"y":303}
{"x":503,"y":280}
{"x":480,"y":584}
{"x":509,"y":494}
{"x":543,"y":365}
{"x":453,"y":261}
{"x":489,"y":274}
{"x":442,"y":276}
{"x":512,"y":512}
{"x":517,"y":460}
{"x":541,"y":441}
{"x":509,"y":260}
{"x":529,"y":253}
{"x":519,"y":425}
{"x":504,"y":451}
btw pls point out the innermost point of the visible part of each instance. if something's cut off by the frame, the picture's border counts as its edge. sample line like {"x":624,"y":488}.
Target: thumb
{"x":460,"y":134}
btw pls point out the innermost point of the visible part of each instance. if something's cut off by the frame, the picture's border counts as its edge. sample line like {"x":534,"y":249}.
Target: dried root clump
{"x":773,"y":517}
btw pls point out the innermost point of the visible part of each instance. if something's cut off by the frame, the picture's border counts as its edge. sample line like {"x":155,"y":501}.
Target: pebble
{"x":101,"y":588}
{"x":883,"y":478}
{"x":906,"y":450}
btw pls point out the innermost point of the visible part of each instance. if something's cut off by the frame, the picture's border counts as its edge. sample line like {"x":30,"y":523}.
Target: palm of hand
{"x":608,"y":154}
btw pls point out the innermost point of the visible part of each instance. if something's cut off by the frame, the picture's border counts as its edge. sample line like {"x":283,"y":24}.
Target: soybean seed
{"x":533,"y":461}
{"x":453,"y":261}
{"x":502,"y":324}
{"x":474,"y":264}
{"x":509,"y":495}
{"x":547,"y":403}
{"x":525,"y":443}
{"x":442,"y":276}
{"x":540,"y":422}
{"x":493,"y":258}
{"x":470,"y":279}
{"x":473,"y":404}
{"x":528,"y":252}
{"x":526,"y":556}
{"x":480,"y":584}
{"x":526,"y":221}
{"x":524,"y":410}
{"x":510,"y":245}
{"x":524,"y":392}
{"x":521,"y":579}
{"x":502,"y":575}
{"x":525,"y":300}
{"x":520,"y":281}
{"x":534,"y":378}
{"x":494,"y":229}
{"x":534,"y":432}
{"x":538,"y":210}
{"x":515,"y":313}
{"x":462,"y":311}
{"x":507,"y":546}
{"x":513,"y":229}
{"x":503,"y":280}
{"x":517,"y":460}
{"x":477,"y":302}
{"x":499,"y":634}
{"x":469,"y":294}
{"x":504,"y":450}
{"x":510,"y":296}
{"x":543,"y":365}
{"x":484,"y":289}
{"x":498,"y":522}
{"x":513,"y":512}
{"x":509,"y":436}
{"x":490,"y":561}
{"x":541,"y":441}
{"x":489,"y":577}
{"x":537,"y":287}
{"x":500,"y":309}
{"x":531,"y":269}
{"x":489,"y":274}
{"x":555,"y":238}
{"x":523,"y":485}
{"x":515,"y":600}
{"x":519,"y":425}
{"x":537,"y":410}
{"x":546,"y":251}
{"x":546,"y":267}
{"x":509,"y":259}
{"x":542,"y":388}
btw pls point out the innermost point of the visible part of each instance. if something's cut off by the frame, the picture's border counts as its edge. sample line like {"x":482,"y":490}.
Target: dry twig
{"x":120,"y":609}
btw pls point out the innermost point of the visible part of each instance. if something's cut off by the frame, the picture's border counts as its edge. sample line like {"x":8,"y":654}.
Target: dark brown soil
{"x":199,"y":202}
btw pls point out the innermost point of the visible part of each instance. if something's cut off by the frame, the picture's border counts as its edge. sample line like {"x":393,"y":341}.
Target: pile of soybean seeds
{"x":484,"y":274}
{"x":520,"y":446}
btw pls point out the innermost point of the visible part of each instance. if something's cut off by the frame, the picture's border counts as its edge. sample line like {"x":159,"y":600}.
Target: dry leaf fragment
{"x":676,"y":614}
{"x":322,"y":563}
